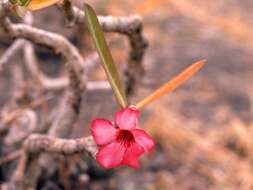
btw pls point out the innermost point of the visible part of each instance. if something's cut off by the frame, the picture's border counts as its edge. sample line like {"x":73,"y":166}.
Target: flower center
{"x":125,"y":137}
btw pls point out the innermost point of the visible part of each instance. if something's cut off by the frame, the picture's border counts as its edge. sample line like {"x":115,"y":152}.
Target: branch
{"x":10,"y":157}
{"x":5,"y":8}
{"x":62,"y":82}
{"x":37,"y":143}
{"x":131,"y":26}
{"x":24,"y":124}
{"x":69,"y":111}
{"x":73,"y":64}
{"x":122,"y":25}
{"x":11,"y":52}
{"x":8,"y":118}
{"x":56,"y":141}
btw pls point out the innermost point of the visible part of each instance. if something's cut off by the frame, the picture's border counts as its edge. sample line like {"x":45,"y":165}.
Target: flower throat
{"x":125,"y":137}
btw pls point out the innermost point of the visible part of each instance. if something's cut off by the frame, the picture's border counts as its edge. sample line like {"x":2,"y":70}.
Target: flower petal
{"x":132,"y":155}
{"x":103,"y":131}
{"x":127,"y":118}
{"x":143,"y":139}
{"x":111,"y":155}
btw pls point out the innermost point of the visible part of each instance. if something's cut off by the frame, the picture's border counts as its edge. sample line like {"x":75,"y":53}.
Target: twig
{"x":11,"y":52}
{"x":62,"y":82}
{"x":24,"y":124}
{"x":33,"y":67}
{"x":17,"y":44}
{"x":91,"y":61}
{"x":10,"y":157}
{"x":8,"y":118}
{"x":66,"y":7}
{"x":5,"y":8}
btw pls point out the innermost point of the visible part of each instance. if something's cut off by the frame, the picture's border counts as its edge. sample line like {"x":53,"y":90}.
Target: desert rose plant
{"x":121,"y":142}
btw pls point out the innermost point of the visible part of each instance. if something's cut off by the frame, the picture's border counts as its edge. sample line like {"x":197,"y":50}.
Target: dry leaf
{"x":172,"y":84}
{"x":40,"y":4}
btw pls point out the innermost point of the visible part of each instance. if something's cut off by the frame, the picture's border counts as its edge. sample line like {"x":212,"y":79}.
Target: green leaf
{"x":23,"y":2}
{"x":105,"y":55}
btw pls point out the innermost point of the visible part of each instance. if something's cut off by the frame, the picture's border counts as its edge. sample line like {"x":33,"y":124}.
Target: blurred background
{"x":204,"y":128}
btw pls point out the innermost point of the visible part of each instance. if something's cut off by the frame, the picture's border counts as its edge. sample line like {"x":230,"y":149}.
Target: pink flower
{"x":120,"y":143}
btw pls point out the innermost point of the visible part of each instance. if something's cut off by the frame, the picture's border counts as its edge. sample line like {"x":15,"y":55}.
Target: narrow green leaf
{"x":105,"y":55}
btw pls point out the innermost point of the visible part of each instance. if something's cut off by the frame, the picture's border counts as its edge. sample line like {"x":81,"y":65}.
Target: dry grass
{"x":219,"y":160}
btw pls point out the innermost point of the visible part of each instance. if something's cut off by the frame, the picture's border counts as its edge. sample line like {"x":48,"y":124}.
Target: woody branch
{"x":130,"y":26}
{"x":55,"y":141}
